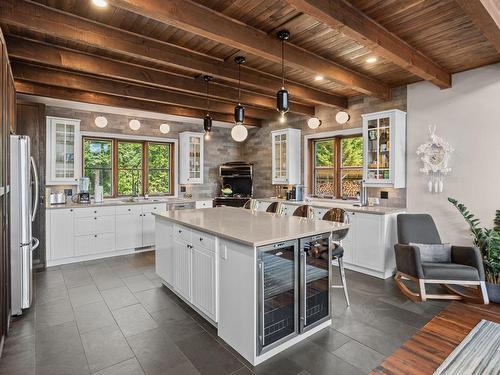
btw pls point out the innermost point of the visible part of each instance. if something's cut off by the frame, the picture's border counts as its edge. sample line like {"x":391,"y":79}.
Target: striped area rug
{"x":478,"y":353}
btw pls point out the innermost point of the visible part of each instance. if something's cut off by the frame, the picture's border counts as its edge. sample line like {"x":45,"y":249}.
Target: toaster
{"x":57,"y":198}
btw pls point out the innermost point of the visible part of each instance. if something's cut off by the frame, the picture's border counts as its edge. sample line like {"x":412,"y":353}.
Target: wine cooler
{"x":293,"y":289}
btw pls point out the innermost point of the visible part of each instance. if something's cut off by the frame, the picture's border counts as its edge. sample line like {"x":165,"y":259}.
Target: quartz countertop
{"x":124,"y":202}
{"x":348,"y":206}
{"x":249,"y":227}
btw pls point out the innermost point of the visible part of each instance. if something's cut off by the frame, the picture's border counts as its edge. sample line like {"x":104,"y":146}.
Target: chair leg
{"x":421,"y":290}
{"x":342,"y":278}
{"x":484,"y":292}
{"x":415,"y":297}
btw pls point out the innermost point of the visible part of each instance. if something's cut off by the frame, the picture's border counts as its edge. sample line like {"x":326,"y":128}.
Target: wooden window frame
{"x":337,"y":162}
{"x":145,"y":162}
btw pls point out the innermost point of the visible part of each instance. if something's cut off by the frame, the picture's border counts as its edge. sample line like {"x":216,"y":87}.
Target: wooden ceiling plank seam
{"x":340,"y":15}
{"x":41,"y":19}
{"x":203,"y":21}
{"x":48,"y":91}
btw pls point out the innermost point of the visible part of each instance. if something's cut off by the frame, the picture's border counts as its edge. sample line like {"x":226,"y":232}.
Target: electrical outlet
{"x":384,"y":195}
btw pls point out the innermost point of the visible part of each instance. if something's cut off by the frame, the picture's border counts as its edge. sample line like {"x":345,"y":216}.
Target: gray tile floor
{"x":113,"y":316}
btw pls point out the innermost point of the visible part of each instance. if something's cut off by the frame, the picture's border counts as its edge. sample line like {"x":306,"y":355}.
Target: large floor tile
{"x":359,"y":356}
{"x":93,"y":316}
{"x":51,"y":294}
{"x":53,"y":314}
{"x":18,"y":356}
{"x":117,"y":298}
{"x":207,"y":355}
{"x":76,"y":277}
{"x":84,"y":295}
{"x":330,"y":339}
{"x":155,"y":299}
{"x":134,"y":319}
{"x":176,"y":323}
{"x":159,"y":355}
{"x":138,"y":283}
{"x":107,"y":280}
{"x":59,"y":351}
{"x":105,"y":347}
{"x":128,"y":367}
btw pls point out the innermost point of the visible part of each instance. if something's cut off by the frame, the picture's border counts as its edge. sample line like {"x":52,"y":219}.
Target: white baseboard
{"x":84,"y":258}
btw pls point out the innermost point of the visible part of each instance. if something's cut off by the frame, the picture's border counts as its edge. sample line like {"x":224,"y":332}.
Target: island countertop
{"x":249,"y":227}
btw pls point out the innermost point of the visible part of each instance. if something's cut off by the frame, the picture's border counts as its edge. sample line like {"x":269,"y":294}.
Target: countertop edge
{"x":239,"y":240}
{"x":121,"y":203}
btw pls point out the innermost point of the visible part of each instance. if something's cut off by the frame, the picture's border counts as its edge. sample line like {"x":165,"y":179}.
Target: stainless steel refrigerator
{"x":23,"y":206}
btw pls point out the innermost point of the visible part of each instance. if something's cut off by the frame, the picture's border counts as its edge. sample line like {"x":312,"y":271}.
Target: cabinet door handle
{"x":95,"y":218}
{"x":180,"y":231}
{"x":95,"y":235}
{"x":70,"y":210}
{"x":95,"y":212}
{"x":201,"y":239}
{"x":129,"y":209}
{"x":154,"y":208}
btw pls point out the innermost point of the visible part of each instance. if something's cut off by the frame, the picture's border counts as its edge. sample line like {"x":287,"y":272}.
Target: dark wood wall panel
{"x":7,"y":119}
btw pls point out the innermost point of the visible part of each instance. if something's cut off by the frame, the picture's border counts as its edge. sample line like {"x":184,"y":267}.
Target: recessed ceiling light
{"x":318,"y":78}
{"x":371,"y":60}
{"x":100,"y":3}
{"x":101,"y":121}
{"x":134,"y":124}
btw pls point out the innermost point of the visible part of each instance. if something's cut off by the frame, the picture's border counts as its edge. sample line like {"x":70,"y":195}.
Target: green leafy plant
{"x":487,"y":240}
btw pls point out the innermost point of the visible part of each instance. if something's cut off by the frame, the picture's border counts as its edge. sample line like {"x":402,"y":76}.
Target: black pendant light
{"x":282,"y":97}
{"x":207,"y":120}
{"x":239,"y":110}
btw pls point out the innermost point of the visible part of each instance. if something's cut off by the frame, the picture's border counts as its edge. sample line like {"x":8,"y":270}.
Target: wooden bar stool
{"x":339,"y":215}
{"x":302,"y":211}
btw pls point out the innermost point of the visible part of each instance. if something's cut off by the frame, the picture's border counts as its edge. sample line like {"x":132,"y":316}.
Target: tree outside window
{"x":130,"y":168}
{"x":98,"y":163}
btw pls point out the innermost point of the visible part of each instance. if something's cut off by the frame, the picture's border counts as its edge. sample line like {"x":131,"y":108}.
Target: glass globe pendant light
{"x":282,"y":97}
{"x":239,"y":133}
{"x":207,"y":120}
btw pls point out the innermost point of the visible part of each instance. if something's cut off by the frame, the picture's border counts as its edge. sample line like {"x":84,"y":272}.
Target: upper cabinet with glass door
{"x":63,"y":162}
{"x":191,"y":159}
{"x":384,"y":135}
{"x":286,"y":156}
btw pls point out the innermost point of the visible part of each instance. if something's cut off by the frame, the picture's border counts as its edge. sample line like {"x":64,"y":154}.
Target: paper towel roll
{"x":98,"y":194}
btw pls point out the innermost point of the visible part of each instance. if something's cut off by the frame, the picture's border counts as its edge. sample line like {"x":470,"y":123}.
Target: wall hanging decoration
{"x":435,"y":154}
{"x":207,"y":120}
{"x":282,"y":98}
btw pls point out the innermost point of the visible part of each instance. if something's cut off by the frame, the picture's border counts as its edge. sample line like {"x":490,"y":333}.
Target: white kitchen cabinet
{"x":384,"y":149}
{"x":204,"y":204}
{"x":182,"y":268}
{"x":128,"y":227}
{"x":286,"y":157}
{"x":148,"y":222}
{"x":203,"y":280}
{"x":191,"y":160}
{"x":60,"y":234}
{"x":94,"y":230}
{"x":63,"y":162}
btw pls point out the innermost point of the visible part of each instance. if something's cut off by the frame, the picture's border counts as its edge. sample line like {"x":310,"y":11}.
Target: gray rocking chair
{"x":466,"y":267}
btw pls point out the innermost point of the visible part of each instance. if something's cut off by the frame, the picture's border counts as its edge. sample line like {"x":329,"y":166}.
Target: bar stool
{"x":248,"y":204}
{"x":339,"y":215}
{"x":273,"y":207}
{"x":302,"y":211}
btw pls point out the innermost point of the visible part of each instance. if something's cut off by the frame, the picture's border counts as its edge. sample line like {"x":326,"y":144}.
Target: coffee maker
{"x":83,"y":195}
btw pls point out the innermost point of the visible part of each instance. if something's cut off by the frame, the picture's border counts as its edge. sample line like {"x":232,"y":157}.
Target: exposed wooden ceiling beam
{"x":345,"y":18}
{"x":60,"y":78}
{"x":215,"y":26}
{"x":486,"y":15}
{"x":31,"y":51}
{"x":32,"y":88}
{"x":44,"y":21}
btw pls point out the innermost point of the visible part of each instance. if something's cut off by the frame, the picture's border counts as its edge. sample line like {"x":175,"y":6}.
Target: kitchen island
{"x":262,"y":279}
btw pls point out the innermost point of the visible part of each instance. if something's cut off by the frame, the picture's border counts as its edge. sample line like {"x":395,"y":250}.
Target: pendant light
{"x":282,"y":97}
{"x":207,"y":120}
{"x":239,"y":110}
{"x":239,"y":133}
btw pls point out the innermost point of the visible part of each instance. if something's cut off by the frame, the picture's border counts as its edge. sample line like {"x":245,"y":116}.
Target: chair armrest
{"x":408,"y":260}
{"x":468,"y":256}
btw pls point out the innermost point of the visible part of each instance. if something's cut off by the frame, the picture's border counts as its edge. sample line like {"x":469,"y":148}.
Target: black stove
{"x":236,"y":176}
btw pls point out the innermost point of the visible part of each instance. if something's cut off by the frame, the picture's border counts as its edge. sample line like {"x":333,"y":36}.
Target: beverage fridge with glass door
{"x":23,"y":206}
{"x":293,"y":289}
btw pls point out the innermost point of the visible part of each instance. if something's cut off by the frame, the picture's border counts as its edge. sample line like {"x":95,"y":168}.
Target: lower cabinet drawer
{"x":204,"y":204}
{"x":104,"y":224}
{"x":182,"y":233}
{"x":204,"y":240}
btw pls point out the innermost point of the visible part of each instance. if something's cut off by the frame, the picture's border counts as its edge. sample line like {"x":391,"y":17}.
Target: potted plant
{"x":488,"y":242}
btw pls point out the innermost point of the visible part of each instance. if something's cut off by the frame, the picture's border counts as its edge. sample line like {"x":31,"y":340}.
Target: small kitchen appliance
{"x":57,"y":198}
{"x":83,"y":195}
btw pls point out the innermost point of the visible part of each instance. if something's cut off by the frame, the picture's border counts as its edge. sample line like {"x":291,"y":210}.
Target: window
{"x":98,"y":163}
{"x":337,"y":167}
{"x":130,"y":156}
{"x":128,"y":167}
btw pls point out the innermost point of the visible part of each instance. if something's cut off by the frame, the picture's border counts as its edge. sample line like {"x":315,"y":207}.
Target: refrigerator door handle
{"x":261,"y":304}
{"x":35,"y":203}
{"x":34,"y":243}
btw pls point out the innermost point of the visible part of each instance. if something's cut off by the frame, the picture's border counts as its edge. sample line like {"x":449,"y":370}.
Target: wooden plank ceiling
{"x":154,"y":53}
